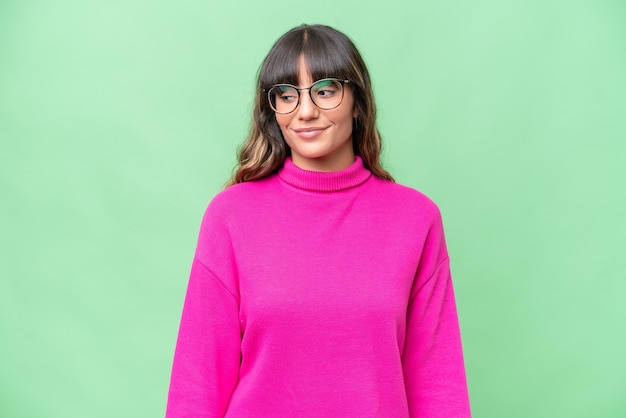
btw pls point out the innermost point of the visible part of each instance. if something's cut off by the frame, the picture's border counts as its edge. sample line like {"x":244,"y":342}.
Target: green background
{"x":119,"y":121}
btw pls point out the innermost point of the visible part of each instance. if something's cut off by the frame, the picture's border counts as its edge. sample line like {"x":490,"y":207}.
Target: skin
{"x":320,"y":140}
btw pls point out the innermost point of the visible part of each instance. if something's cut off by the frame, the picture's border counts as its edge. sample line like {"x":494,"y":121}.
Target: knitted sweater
{"x":319,"y":295}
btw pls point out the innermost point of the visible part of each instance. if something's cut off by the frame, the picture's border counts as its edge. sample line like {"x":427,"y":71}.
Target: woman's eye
{"x":287,"y":98}
{"x":326,"y":89}
{"x":327,"y":92}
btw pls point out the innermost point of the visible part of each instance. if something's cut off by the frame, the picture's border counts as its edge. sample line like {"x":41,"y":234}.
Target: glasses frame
{"x":299,"y":89}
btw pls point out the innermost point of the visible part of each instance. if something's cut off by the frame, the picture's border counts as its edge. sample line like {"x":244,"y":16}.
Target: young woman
{"x":319,"y":287}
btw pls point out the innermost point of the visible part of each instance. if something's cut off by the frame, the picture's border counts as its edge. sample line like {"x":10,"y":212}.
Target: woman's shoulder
{"x":240,"y":195}
{"x":402,"y":196}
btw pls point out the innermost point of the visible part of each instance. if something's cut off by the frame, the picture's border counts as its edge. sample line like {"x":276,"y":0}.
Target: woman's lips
{"x":308,"y":133}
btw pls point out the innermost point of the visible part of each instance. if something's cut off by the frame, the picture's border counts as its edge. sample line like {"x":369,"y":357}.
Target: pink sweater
{"x":319,"y":295}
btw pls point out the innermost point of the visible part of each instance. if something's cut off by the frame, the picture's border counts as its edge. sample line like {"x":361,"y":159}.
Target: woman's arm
{"x":208,"y":349}
{"x":434,"y":371}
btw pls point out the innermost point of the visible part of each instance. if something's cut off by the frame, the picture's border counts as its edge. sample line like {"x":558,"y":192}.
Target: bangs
{"x":281,"y":66}
{"x":325,"y":57}
{"x":324,"y":62}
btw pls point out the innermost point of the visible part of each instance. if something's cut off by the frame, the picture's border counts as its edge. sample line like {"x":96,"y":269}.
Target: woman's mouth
{"x":309,"y":133}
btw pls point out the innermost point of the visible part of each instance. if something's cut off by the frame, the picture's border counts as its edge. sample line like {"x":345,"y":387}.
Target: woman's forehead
{"x":305,"y":69}
{"x":305,"y":78}
{"x":305,"y":75}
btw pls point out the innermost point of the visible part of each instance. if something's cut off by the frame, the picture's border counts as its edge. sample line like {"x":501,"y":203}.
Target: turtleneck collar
{"x":317,"y":181}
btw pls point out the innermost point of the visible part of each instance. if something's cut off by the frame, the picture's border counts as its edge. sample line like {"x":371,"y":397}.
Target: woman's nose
{"x":307,"y":109}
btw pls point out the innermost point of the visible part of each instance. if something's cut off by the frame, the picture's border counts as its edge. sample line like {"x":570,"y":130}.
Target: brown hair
{"x":328,"y":53}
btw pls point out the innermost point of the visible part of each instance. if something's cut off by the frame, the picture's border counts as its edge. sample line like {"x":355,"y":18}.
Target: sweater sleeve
{"x":207,"y":356}
{"x":432,"y":359}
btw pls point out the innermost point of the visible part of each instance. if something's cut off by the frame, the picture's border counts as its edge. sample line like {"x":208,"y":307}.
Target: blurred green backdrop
{"x":119,"y":121}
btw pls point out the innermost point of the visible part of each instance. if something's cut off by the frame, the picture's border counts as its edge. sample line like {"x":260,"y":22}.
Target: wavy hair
{"x":328,"y":53}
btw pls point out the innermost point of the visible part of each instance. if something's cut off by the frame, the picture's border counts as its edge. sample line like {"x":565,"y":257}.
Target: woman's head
{"x":325,"y":53}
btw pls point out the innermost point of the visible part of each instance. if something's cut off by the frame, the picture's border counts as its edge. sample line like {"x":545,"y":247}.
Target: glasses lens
{"x":283,"y":98}
{"x":327,"y":94}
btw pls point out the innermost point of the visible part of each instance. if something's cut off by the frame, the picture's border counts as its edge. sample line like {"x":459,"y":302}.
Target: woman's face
{"x":320,"y":140}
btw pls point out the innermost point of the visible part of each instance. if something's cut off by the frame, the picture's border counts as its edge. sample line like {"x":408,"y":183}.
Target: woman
{"x":319,"y":288}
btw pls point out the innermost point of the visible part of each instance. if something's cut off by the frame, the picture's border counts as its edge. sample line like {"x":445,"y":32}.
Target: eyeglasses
{"x":326,"y":94}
